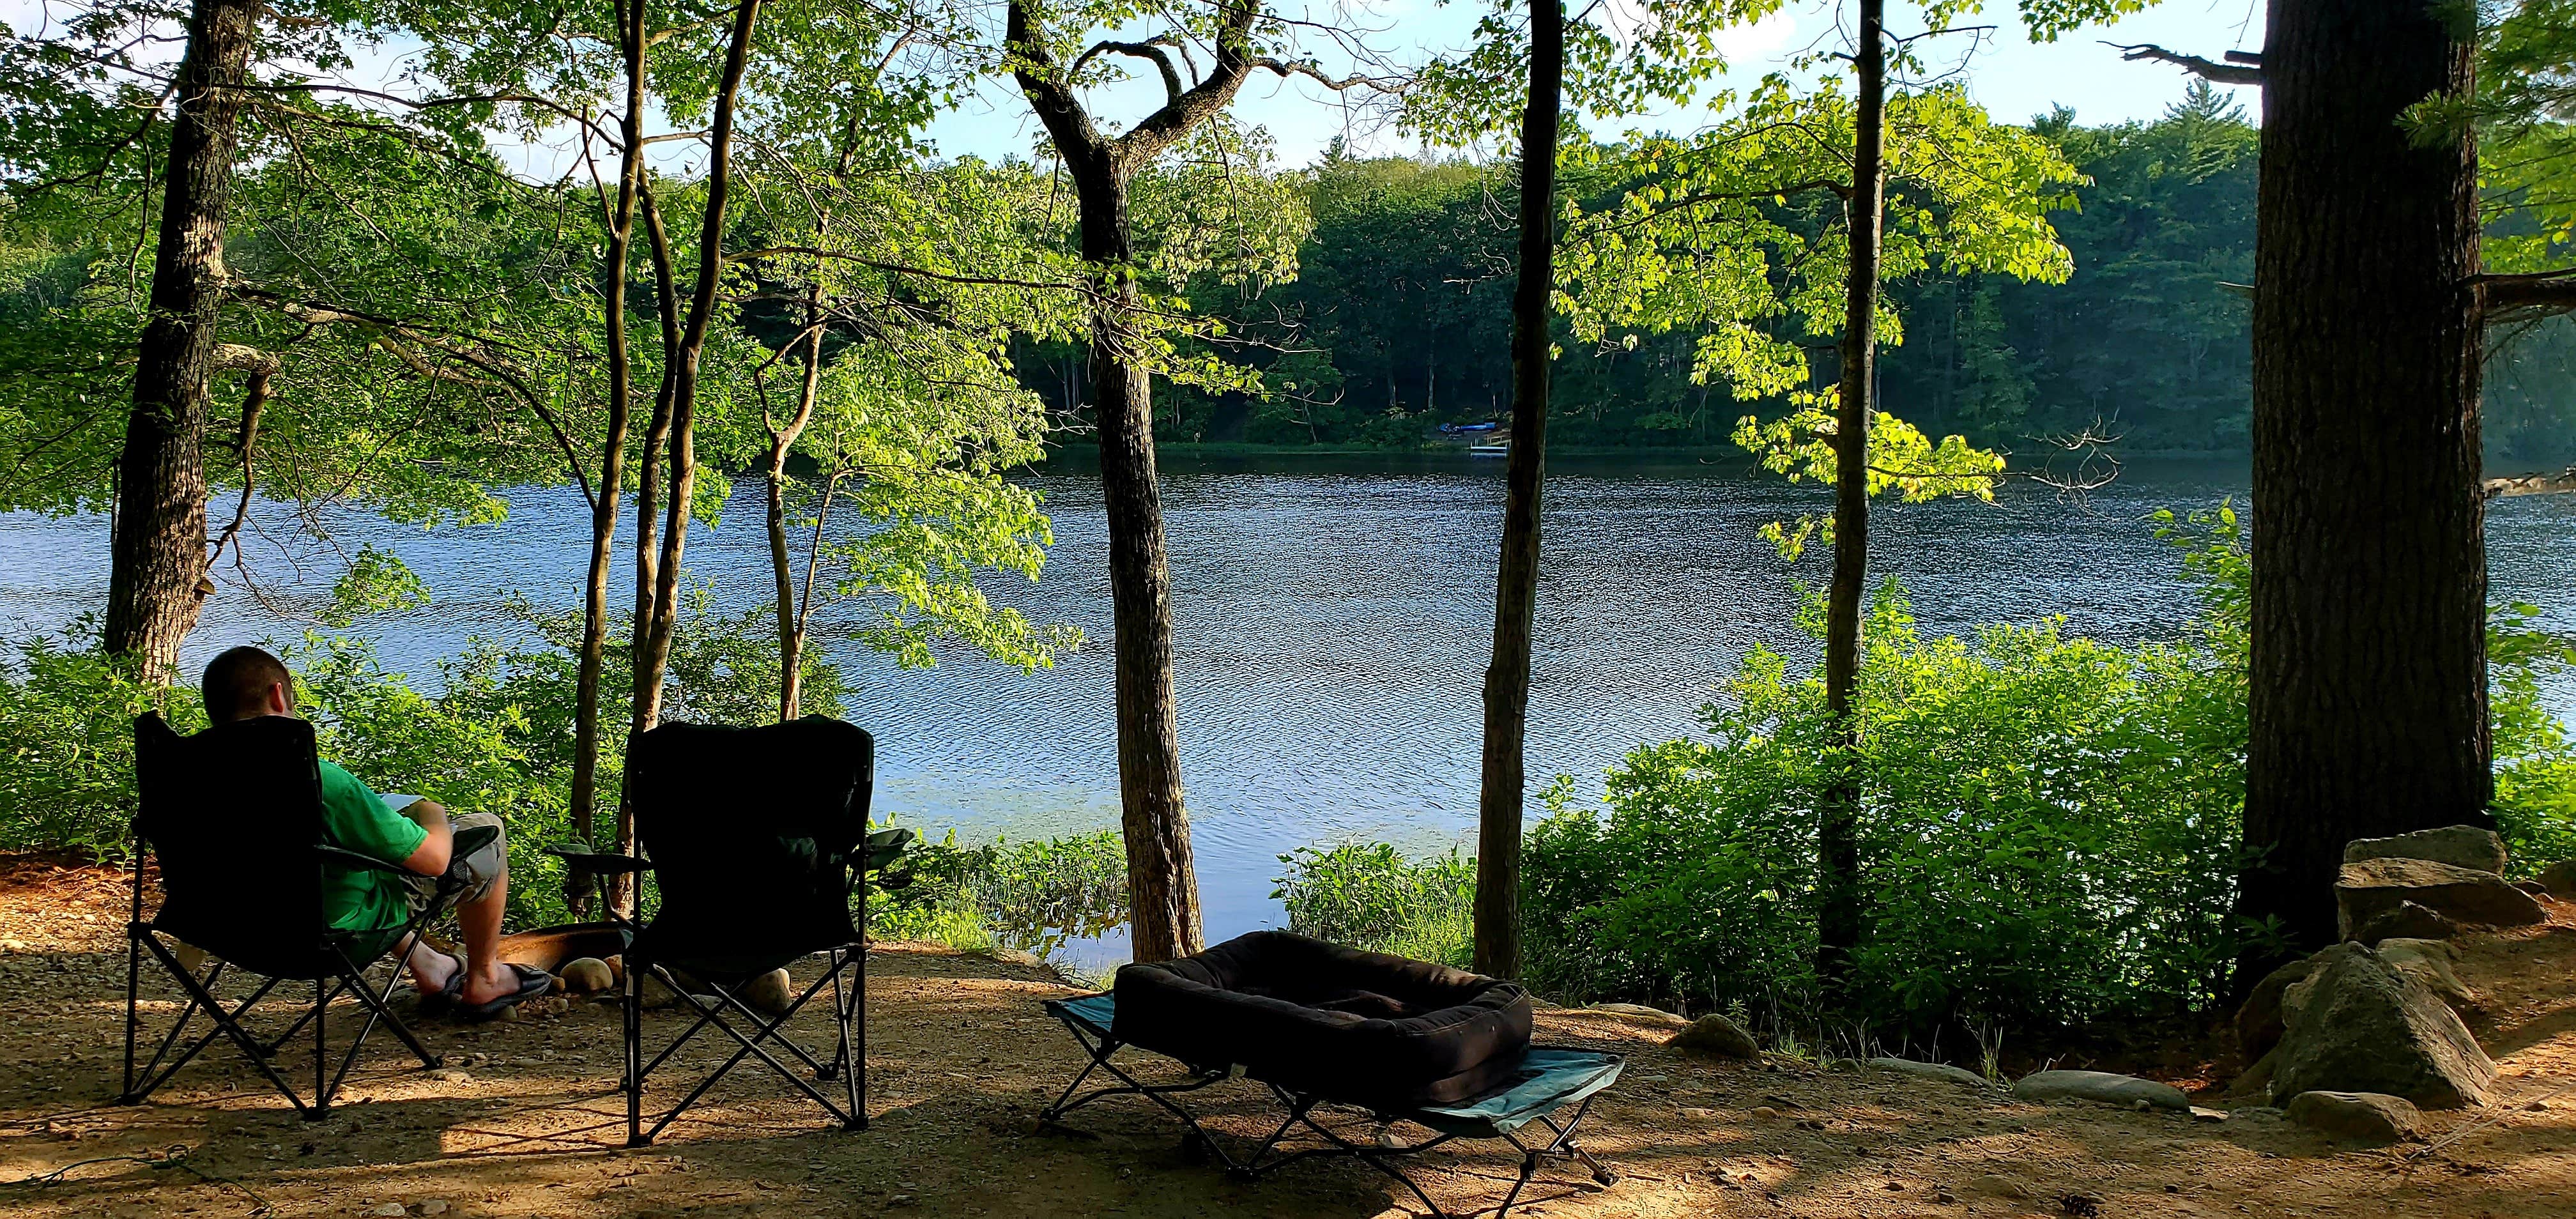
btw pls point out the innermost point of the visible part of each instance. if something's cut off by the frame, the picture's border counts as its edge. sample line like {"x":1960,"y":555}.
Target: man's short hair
{"x":237,"y":682}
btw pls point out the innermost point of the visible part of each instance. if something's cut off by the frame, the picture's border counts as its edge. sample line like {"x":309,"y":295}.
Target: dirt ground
{"x":526,"y":1119}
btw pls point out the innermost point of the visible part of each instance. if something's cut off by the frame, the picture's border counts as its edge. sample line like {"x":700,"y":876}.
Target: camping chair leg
{"x":228,"y":1025}
{"x":321,"y":1054}
{"x":853,"y":1068}
{"x":133,"y":1003}
{"x":634,"y":1057}
{"x":749,"y":1047}
{"x":380,"y":1007}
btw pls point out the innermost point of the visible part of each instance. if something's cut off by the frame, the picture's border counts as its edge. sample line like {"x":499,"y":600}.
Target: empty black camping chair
{"x":757,"y":839}
{"x":234,"y":815}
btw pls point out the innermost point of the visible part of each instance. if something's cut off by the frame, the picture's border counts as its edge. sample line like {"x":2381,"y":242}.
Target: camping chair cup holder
{"x":1465,"y":1071}
{"x":226,"y":812}
{"x":756,"y":841}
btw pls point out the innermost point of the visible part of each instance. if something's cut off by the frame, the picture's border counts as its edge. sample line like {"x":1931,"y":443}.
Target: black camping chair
{"x":757,"y":839}
{"x":234,"y":814}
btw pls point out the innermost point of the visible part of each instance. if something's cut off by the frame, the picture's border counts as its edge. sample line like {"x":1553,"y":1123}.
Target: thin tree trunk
{"x":1162,"y":875}
{"x":578,"y":885}
{"x":2368,"y":694}
{"x":1501,"y":798}
{"x":156,"y":580}
{"x":1838,"y":913}
{"x":791,"y":618}
{"x":654,"y":645}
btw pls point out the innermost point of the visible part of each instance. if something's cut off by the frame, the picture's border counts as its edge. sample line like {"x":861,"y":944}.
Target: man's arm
{"x":440,"y":842}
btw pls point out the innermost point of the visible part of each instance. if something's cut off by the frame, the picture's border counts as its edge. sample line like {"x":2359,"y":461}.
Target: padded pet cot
{"x":1319,"y":1024}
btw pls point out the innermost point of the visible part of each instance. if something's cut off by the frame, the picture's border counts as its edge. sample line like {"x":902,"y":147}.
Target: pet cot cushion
{"x":1360,"y":1027}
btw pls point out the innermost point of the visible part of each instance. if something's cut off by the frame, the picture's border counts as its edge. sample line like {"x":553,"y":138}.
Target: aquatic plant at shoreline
{"x":1371,"y":896}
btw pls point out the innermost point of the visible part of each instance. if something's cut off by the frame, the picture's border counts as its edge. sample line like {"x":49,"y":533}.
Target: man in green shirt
{"x":409,"y":832}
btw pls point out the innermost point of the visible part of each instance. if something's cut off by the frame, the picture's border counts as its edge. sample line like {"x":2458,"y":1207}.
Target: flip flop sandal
{"x":533,"y":983}
{"x":446,"y":996}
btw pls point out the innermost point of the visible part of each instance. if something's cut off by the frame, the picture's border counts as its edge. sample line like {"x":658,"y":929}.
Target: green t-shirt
{"x":354,"y":818}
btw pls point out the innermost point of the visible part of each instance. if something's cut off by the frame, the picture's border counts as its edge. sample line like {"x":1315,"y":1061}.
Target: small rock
{"x":2408,"y":921}
{"x":434,"y":1206}
{"x":769,"y":993}
{"x":1765,"y":1112}
{"x":452,"y":1076}
{"x":2258,"y":1022}
{"x":1639,"y":1011}
{"x":387,"y":1210}
{"x":2099,"y":1086}
{"x":1997,"y":1185}
{"x":2461,"y":846}
{"x":2560,"y":879}
{"x":587,"y":976}
{"x":2369,"y":1116}
{"x":2533,"y":887}
{"x":1930,"y":1070}
{"x":1715,"y":1034}
{"x":1700,"y":1115}
{"x":2371,"y":888}
{"x":2199,"y":1114}
{"x":1944,"y":1197}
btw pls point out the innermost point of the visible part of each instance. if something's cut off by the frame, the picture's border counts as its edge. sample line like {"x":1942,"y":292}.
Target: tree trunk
{"x":2368,"y":692}
{"x":1500,"y":801}
{"x":782,"y":564}
{"x":1162,"y":875}
{"x":1838,"y":900}
{"x":578,"y":885}
{"x":157,"y":558}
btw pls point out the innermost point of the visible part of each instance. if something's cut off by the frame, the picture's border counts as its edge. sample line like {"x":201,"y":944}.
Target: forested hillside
{"x":1391,"y":325}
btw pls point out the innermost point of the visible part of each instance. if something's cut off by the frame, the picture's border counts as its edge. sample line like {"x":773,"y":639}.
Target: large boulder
{"x":2258,"y":1022}
{"x":1930,"y":1070}
{"x":2407,"y":921}
{"x":2429,"y":962}
{"x":2560,"y":879}
{"x":2370,"y":1117}
{"x":1715,"y":1034}
{"x":2369,"y":889}
{"x":2461,"y":846}
{"x":2360,"y":1023}
{"x":2103,"y":1086}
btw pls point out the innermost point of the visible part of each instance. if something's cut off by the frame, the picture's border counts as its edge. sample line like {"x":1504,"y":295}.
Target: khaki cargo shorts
{"x":478,"y":869}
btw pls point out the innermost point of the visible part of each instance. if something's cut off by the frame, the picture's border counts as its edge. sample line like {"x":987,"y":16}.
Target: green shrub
{"x":67,"y":744}
{"x":1032,"y":896}
{"x":1373,"y":897}
{"x":2535,"y":760}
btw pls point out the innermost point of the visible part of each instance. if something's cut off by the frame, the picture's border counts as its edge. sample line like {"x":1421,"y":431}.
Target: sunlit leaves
{"x":1901,"y":459}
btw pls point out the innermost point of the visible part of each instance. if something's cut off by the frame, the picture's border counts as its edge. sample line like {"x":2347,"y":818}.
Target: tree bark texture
{"x":2368,"y":698}
{"x":782,"y":564}
{"x":1502,"y":794}
{"x":157,"y":558}
{"x":579,"y":885}
{"x":1838,"y":905}
{"x":1162,"y":878}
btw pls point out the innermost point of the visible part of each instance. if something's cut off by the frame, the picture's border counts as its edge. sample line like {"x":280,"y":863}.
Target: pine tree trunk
{"x":1162,"y":875}
{"x":1838,"y":900}
{"x":2368,"y":692}
{"x":157,"y":559}
{"x":1501,"y":797}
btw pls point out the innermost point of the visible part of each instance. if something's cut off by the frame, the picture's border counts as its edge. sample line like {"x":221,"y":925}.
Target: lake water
{"x":1332,"y":627}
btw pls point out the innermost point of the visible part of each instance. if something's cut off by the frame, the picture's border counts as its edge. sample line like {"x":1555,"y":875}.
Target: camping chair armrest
{"x":352,"y":859}
{"x":603,"y":863}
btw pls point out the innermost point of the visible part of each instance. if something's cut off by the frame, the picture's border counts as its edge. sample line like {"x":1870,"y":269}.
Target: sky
{"x":2013,"y":77}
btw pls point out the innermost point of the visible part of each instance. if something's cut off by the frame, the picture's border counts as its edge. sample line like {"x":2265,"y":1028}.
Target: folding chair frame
{"x":848,"y":1063}
{"x":1198,"y":1143}
{"x":347,"y":976}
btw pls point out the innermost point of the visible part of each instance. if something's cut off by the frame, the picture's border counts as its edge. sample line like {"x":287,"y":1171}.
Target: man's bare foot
{"x":431,"y":969}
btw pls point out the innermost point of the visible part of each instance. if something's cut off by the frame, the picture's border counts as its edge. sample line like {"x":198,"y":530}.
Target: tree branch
{"x":2509,"y":298}
{"x":1151,"y":48}
{"x":2206,"y":69}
